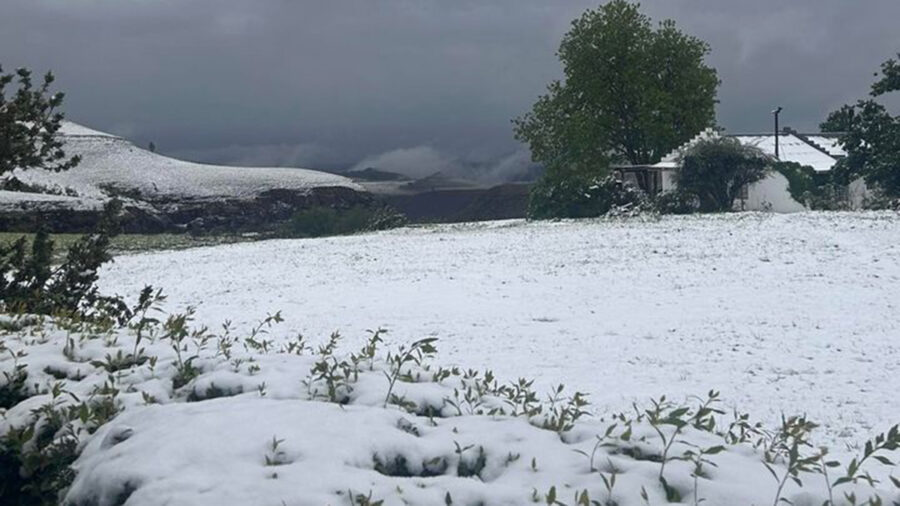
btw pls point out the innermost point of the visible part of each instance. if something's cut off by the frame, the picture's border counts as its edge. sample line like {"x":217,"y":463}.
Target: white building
{"x":819,"y":151}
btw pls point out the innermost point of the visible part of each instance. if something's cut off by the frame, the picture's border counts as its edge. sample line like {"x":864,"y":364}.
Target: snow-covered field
{"x":782,"y":313}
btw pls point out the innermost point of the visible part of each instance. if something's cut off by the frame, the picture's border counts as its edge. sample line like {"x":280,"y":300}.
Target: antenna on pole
{"x":776,"y":112}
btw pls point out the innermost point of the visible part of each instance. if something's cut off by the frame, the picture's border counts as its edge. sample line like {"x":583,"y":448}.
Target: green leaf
{"x":884,"y":460}
{"x":551,"y":496}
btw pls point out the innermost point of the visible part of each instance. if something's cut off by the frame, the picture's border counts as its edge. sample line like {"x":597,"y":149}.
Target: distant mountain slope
{"x":160,"y":193}
{"x":373,"y":174}
{"x":113,"y":165}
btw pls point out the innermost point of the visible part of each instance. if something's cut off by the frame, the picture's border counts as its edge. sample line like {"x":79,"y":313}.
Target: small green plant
{"x":296,"y":347}
{"x":786,"y":445}
{"x":741,"y":430}
{"x":522,"y":400}
{"x":563,"y":412}
{"x":874,"y":449}
{"x":698,"y":456}
{"x":275,"y":456}
{"x":363,"y":500}
{"x":147,"y":300}
{"x":369,"y":350}
{"x":177,"y":330}
{"x":602,"y":441}
{"x":581,"y":498}
{"x":663,"y":414}
{"x":256,"y":341}
{"x":338,"y":375}
{"x":119,"y":361}
{"x":14,"y":390}
{"x":609,"y":483}
{"x":404,"y":357}
{"x":467,"y":467}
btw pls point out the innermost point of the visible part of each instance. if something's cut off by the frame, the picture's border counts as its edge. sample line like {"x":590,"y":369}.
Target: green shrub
{"x":676,"y":202}
{"x":323,"y":221}
{"x":813,"y":189}
{"x":314,"y":222}
{"x":878,"y":200}
{"x":580,"y":194}
{"x":716,"y":169}
{"x":30,"y":283}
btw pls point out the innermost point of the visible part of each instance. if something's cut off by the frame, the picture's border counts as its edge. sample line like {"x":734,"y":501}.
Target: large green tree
{"x":29,"y":122}
{"x":632,"y":92}
{"x":871,"y":135}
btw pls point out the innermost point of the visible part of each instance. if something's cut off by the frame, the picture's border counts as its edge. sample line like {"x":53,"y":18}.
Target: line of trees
{"x":871,"y":135}
{"x":634,"y":91}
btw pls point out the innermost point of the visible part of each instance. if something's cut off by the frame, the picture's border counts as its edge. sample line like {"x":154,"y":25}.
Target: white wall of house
{"x":668,"y":180}
{"x":857,"y":193}
{"x":770,"y":194}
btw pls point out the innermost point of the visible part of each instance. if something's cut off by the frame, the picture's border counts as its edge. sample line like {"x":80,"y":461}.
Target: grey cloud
{"x":414,"y":162}
{"x":237,"y":81}
{"x":421,"y":161}
{"x":262,"y":155}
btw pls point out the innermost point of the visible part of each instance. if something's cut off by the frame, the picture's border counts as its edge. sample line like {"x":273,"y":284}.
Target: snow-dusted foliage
{"x":164,"y":412}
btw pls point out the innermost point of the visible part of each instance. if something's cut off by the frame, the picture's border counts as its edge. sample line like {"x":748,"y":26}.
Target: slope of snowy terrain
{"x":782,"y":313}
{"x":110,"y":161}
{"x":13,"y":199}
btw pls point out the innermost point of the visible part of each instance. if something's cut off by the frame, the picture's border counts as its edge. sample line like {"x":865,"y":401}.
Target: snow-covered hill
{"x":108,"y":161}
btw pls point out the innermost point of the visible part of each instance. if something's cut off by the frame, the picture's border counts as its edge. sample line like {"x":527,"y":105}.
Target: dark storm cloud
{"x":334,"y":83}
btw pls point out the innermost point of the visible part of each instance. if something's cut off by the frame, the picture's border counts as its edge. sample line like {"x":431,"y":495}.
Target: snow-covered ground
{"x":782,"y":313}
{"x":28,"y":200}
{"x":225,"y":420}
{"x":110,"y":160}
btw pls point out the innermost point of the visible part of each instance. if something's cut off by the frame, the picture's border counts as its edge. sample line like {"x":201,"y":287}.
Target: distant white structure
{"x":820,"y":151}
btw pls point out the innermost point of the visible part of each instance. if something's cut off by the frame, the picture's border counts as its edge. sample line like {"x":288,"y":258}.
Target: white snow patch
{"x":11,"y":199}
{"x":110,"y":160}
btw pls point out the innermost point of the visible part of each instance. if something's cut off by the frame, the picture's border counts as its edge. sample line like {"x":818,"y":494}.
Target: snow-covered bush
{"x":676,"y":202}
{"x":163,"y":412}
{"x":576,"y":193}
{"x":878,"y":200}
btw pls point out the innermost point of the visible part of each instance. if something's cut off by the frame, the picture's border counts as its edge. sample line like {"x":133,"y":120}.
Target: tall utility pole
{"x":776,"y":112}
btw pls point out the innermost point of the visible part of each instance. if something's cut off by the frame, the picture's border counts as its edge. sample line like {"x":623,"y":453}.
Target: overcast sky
{"x":404,"y":84}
